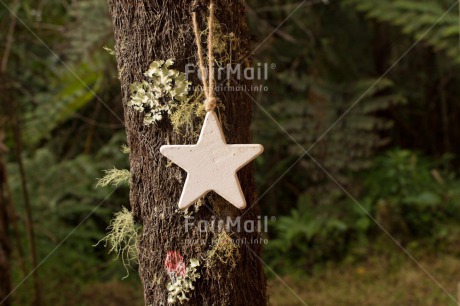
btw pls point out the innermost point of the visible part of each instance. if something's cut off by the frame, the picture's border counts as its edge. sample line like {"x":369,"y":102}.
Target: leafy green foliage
{"x":406,"y":194}
{"x":355,"y":137}
{"x":68,"y":207}
{"x":410,"y":196}
{"x":67,"y":96}
{"x":314,"y":234}
{"x":427,"y":20}
{"x":329,"y":98}
{"x":89,"y":29}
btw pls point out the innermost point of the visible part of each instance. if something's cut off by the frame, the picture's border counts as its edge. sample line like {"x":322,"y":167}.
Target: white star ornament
{"x":212,"y":164}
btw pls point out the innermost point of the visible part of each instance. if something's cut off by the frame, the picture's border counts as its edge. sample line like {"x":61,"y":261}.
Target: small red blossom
{"x":175,"y":263}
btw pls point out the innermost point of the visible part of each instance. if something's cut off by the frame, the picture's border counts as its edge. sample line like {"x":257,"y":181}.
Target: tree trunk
{"x":145,"y":31}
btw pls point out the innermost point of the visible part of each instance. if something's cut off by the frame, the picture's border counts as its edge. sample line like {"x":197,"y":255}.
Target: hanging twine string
{"x":208,"y":85}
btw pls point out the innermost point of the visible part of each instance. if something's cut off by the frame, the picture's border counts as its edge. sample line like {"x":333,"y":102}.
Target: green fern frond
{"x":428,"y":21}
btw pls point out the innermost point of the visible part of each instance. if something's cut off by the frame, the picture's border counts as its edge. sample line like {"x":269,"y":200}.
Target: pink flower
{"x":175,"y":264}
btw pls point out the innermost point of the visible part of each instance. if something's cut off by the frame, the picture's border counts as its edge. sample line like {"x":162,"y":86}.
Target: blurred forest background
{"x":371,"y":220}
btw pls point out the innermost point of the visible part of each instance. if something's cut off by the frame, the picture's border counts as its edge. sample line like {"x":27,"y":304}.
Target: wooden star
{"x":212,"y":164}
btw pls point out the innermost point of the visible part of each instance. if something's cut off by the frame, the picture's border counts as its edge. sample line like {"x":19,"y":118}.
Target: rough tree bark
{"x":145,"y":31}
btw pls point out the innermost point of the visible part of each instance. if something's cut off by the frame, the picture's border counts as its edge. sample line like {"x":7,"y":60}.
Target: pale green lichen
{"x":198,"y":204}
{"x":187,"y":212}
{"x":161,"y":93}
{"x":224,"y":44}
{"x":109,"y":50}
{"x":122,"y":237}
{"x":224,"y":250}
{"x":125,"y":149}
{"x":114,"y":177}
{"x":184,"y":114}
{"x":180,"y":286}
